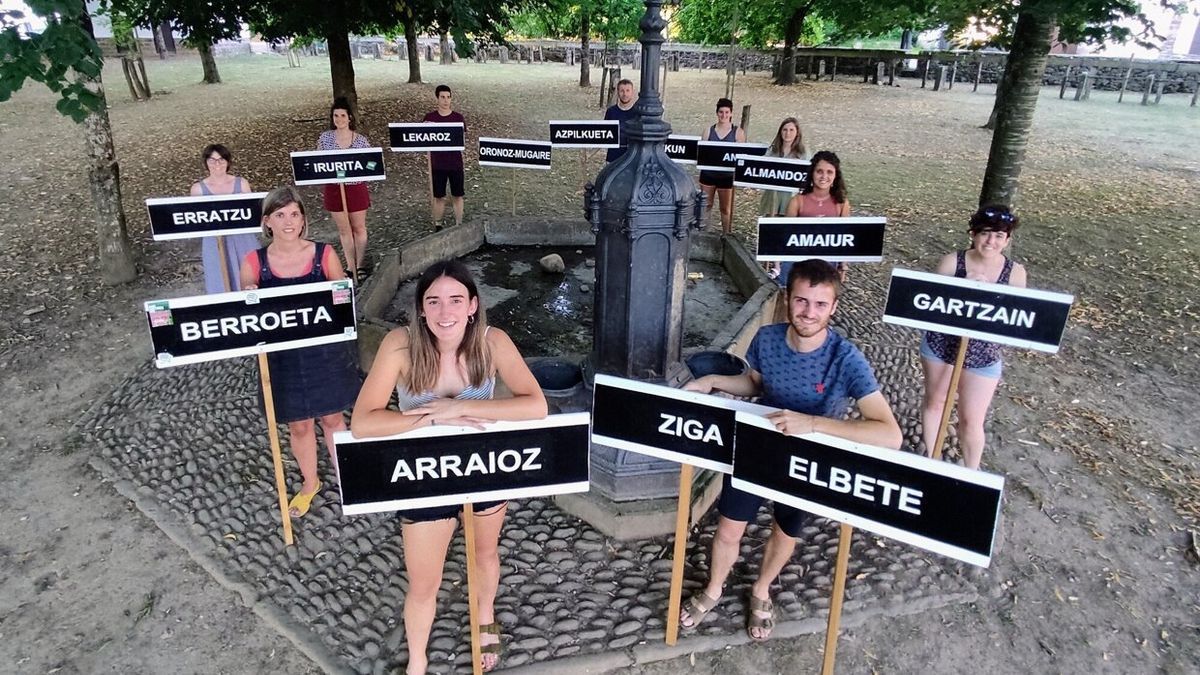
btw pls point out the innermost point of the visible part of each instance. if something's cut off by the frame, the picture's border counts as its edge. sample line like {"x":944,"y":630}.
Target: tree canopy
{"x":50,"y":56}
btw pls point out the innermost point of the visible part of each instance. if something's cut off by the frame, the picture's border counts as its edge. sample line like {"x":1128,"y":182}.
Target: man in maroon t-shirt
{"x":445,"y":166}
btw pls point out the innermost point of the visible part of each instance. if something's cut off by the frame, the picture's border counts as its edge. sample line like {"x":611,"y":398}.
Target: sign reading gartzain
{"x":353,"y":165}
{"x":852,"y":239}
{"x":771,"y":173}
{"x":517,"y":154}
{"x":426,"y":136}
{"x":723,"y":156}
{"x":205,"y":216}
{"x":681,"y":149}
{"x":443,"y":466}
{"x":938,"y":506}
{"x":224,"y":325}
{"x":585,"y":133}
{"x":1020,"y":317}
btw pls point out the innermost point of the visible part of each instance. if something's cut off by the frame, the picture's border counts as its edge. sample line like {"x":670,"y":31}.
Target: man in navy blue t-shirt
{"x":623,"y":110}
{"x":812,"y":373}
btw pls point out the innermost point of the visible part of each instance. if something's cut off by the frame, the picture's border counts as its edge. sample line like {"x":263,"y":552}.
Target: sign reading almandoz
{"x":672,"y":424}
{"x":772,"y":173}
{"x":444,"y":466}
{"x":585,"y":133}
{"x":723,"y":156}
{"x":938,"y":506}
{"x":205,"y":216}
{"x":426,"y":136}
{"x":681,"y":149}
{"x":1021,"y":317}
{"x":224,"y":325}
{"x":517,"y":154}
{"x":852,"y":239}
{"x":353,"y":165}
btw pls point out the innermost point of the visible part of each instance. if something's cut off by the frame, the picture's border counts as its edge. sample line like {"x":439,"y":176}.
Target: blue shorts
{"x":743,"y":507}
{"x":991,"y":371}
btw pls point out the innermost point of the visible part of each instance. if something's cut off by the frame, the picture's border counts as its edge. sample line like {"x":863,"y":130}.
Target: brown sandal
{"x":763,"y":623}
{"x":494,"y":648}
{"x":698,"y":606}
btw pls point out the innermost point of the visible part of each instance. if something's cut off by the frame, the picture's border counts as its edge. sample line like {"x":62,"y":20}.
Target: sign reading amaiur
{"x":353,"y":165}
{"x":851,"y":239}
{"x":205,"y":216}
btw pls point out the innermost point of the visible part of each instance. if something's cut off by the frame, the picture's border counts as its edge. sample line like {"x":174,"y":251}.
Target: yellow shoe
{"x":300,"y":503}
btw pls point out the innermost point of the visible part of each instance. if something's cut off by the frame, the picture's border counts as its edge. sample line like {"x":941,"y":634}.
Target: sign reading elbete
{"x":938,"y":506}
{"x":1021,"y":317}
{"x":771,"y":173}
{"x":585,"y":133}
{"x":426,"y":136}
{"x":205,"y":216}
{"x":681,"y":149}
{"x":224,"y":325}
{"x":353,"y":165}
{"x":517,"y":154}
{"x":444,"y":466}
{"x":722,"y":156}
{"x":852,"y":239}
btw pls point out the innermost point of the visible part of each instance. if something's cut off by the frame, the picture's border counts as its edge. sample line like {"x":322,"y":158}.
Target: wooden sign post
{"x":264,"y":373}
{"x":468,"y":519}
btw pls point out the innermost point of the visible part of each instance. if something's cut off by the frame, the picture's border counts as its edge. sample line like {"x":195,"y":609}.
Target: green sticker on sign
{"x":341,"y":174}
{"x":371,"y":165}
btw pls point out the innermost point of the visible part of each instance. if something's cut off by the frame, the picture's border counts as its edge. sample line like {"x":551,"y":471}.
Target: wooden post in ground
{"x":682,"y":516}
{"x":924,"y":71}
{"x":1062,"y":86}
{"x":468,"y":518}
{"x":264,"y":373}
{"x":1079,"y":88}
{"x":352,"y":254}
{"x":226,"y":280}
{"x":746,"y":119}
{"x":1158,"y":91}
{"x":940,"y":78}
{"x":1195,"y":93}
{"x":1146,"y":91}
{"x":820,"y":70}
{"x":845,"y":535}
{"x":833,"y":70}
{"x":1125,"y":80}
{"x":892,"y":72}
{"x":953,"y":74}
{"x":867,"y":71}
{"x":943,"y":425}
{"x":978,"y":75}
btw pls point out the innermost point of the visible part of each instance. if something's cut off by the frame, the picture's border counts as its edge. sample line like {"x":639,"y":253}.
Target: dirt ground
{"x":1098,"y":572}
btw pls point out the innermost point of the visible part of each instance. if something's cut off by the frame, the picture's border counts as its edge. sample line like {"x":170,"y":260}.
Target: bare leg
{"x":458,"y":210}
{"x":345,"y":235}
{"x":487,"y":561}
{"x":937,"y":381}
{"x":425,"y":547}
{"x":710,"y":192}
{"x":779,"y":550}
{"x":438,"y":206}
{"x":304,"y":448}
{"x":726,"y":197}
{"x":974,"y":398}
{"x":332,"y":424}
{"x":358,"y":228}
{"x":725,"y":546}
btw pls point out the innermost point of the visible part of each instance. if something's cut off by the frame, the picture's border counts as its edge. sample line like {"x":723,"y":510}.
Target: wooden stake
{"x":1125,"y":80}
{"x":351,"y":255}
{"x":513,"y":176}
{"x":943,"y":426}
{"x":683,"y":514}
{"x":225,"y":278}
{"x":276,"y":455}
{"x":845,"y":533}
{"x":468,"y":518}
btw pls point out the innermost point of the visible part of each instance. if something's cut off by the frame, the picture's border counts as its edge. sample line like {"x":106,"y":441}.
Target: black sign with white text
{"x":225,"y":325}
{"x":772,"y":173}
{"x":938,"y":506}
{"x":205,"y":216}
{"x":852,"y":239}
{"x":672,"y":424}
{"x":514,"y":153}
{"x":722,"y":156}
{"x":444,"y":466}
{"x":681,"y":149}
{"x":585,"y":133}
{"x":1008,"y":315}
{"x":426,"y":136}
{"x":353,"y":165}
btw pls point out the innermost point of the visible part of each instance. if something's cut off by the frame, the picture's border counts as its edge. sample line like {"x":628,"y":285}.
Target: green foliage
{"x":201,"y":21}
{"x":613,"y":20}
{"x":1086,"y":21}
{"x":761,"y":23}
{"x":65,"y":45}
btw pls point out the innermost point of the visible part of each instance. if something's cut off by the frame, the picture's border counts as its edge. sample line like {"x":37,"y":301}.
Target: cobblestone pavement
{"x":188,"y":445}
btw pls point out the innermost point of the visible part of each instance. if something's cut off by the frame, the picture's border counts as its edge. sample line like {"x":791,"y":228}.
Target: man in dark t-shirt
{"x":623,"y":110}
{"x":445,"y":167}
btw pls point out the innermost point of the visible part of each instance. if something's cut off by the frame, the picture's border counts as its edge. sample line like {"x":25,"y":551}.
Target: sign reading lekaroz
{"x":672,"y":424}
{"x":723,"y":156}
{"x":426,"y":136}
{"x":224,"y":325}
{"x":444,"y":466}
{"x":1021,"y":317}
{"x":852,"y":239}
{"x":517,"y":154}
{"x":353,"y":165}
{"x":681,"y":149}
{"x":938,"y":506}
{"x":585,"y":133}
{"x":771,"y":173}
{"x":205,"y":216}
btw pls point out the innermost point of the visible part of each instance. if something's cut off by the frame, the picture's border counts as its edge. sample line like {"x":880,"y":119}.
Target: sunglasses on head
{"x":1001,"y":214}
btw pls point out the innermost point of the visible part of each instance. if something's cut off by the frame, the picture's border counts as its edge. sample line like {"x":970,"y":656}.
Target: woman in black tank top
{"x":719,"y":184}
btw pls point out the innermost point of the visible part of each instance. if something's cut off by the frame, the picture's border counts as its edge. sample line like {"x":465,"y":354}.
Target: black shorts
{"x":445,"y":512}
{"x":722,"y":180}
{"x":743,"y":507}
{"x":453,"y":176}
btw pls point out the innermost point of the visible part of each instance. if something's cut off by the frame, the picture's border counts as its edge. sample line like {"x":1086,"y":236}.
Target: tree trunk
{"x":211,"y":76}
{"x":168,"y":38}
{"x":1016,"y":103}
{"x":341,"y":69}
{"x":791,"y":36}
{"x":445,"y":57}
{"x":585,"y":50}
{"x":414,"y":51}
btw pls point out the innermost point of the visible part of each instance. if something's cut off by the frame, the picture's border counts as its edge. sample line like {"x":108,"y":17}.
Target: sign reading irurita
{"x":771,"y":173}
{"x":205,"y":216}
{"x":224,"y":325}
{"x":938,"y":506}
{"x":1021,"y":317}
{"x":681,"y":149}
{"x":353,"y":165}
{"x":853,"y":239}
{"x":426,"y":136}
{"x":517,"y":154}
{"x":722,"y":156}
{"x":585,"y":133}
{"x":673,"y":424}
{"x":443,"y":466}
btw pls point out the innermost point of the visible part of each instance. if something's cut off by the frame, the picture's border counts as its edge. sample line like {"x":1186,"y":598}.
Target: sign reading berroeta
{"x":426,"y":136}
{"x":513,"y":153}
{"x":353,"y":165}
{"x":444,"y":466}
{"x":585,"y":133}
{"x":771,"y":173}
{"x":205,"y":216}
{"x":852,"y":239}
{"x":225,"y":325}
{"x":722,"y":156}
{"x":681,"y":149}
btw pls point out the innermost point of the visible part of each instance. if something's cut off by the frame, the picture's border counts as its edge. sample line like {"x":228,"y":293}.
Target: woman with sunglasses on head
{"x":990,"y":233}
{"x":788,"y":144}
{"x":351,"y":217}
{"x":217,"y":161}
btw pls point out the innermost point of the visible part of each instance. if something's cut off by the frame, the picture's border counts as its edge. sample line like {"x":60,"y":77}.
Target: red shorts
{"x":357,"y":197}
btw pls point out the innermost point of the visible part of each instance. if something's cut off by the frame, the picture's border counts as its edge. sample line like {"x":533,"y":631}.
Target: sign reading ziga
{"x":224,"y":325}
{"x":425,"y":136}
{"x":938,"y":506}
{"x":771,"y":173}
{"x":681,"y":149}
{"x":852,"y":239}
{"x":672,"y":424}
{"x":1021,"y":317}
{"x":722,"y":156}
{"x":514,"y":153}
{"x":353,"y":165}
{"x":205,"y":216}
{"x":444,"y":466}
{"x":585,"y":133}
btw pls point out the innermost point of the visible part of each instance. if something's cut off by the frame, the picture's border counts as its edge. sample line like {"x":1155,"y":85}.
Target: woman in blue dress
{"x":217,"y":162}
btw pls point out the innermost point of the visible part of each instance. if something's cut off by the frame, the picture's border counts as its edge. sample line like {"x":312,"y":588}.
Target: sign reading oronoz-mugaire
{"x":205,"y":215}
{"x":852,"y":239}
{"x":513,"y":153}
{"x":353,"y":165}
